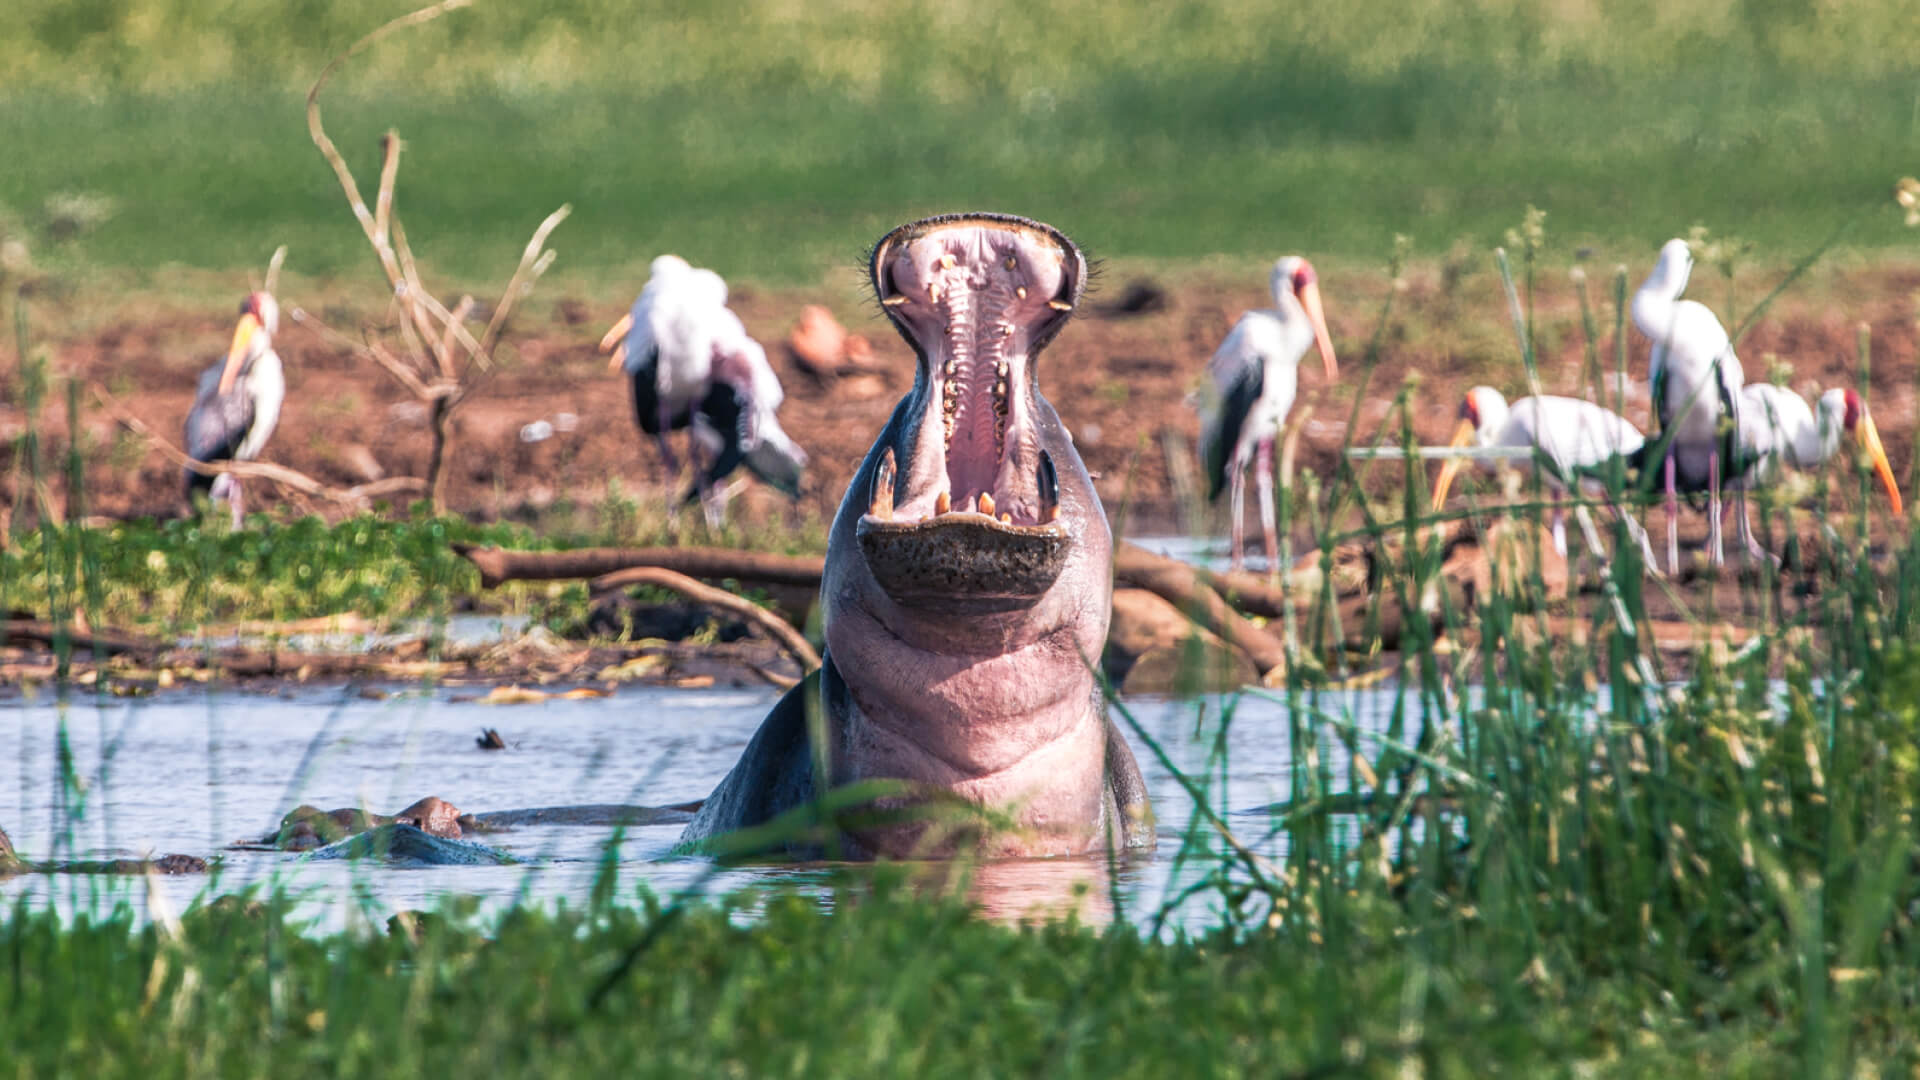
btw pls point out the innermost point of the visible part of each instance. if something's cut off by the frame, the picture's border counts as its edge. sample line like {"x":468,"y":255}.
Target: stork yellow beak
{"x":615,"y":341}
{"x":237,"y":352}
{"x":1462,"y":435}
{"x":1870,"y":439}
{"x":1310,"y":299}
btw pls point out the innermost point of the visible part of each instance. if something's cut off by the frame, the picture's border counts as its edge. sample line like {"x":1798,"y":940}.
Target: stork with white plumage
{"x":1575,"y":442}
{"x":1696,"y":379}
{"x":1780,"y":431}
{"x":691,"y":364}
{"x":1252,"y":380}
{"x":237,"y":404}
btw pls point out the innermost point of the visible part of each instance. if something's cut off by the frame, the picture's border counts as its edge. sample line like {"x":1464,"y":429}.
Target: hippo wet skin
{"x":968,"y":582}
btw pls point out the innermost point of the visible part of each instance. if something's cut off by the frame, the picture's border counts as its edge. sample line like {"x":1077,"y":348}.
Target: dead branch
{"x":777,"y":628}
{"x":498,"y":565}
{"x":533,"y":263}
{"x":40,"y":632}
{"x":1134,"y":565}
{"x":1185,"y":588}
{"x":357,"y":496}
{"x":429,"y":331}
{"x":375,"y":229}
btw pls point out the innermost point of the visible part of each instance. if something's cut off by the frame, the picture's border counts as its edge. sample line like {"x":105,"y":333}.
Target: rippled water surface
{"x":194,"y":772}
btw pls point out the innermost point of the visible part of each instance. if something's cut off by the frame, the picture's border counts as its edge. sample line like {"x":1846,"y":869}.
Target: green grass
{"x":775,"y":144}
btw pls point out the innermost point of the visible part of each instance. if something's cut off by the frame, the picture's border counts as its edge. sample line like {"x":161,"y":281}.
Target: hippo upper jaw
{"x":963,"y":505}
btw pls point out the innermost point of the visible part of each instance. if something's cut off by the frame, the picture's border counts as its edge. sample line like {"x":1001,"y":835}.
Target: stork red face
{"x":1855,"y":420}
{"x":1306,"y":287}
{"x":259,"y":315}
{"x":1465,"y":433}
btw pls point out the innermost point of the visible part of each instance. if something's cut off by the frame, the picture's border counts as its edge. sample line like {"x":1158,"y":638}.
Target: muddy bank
{"x":1120,"y":382}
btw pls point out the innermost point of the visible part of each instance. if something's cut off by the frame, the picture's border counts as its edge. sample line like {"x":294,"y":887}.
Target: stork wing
{"x":217,"y":422}
{"x":1221,"y":432}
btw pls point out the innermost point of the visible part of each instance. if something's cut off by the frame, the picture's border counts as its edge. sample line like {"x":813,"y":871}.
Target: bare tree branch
{"x":720,"y":599}
{"x":279,"y":474}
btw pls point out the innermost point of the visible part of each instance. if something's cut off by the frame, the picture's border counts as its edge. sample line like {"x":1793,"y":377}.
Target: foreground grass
{"x":881,"y":980}
{"x":774,"y":145}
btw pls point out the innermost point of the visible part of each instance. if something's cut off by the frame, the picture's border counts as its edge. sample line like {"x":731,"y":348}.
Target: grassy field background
{"x":774,"y":140}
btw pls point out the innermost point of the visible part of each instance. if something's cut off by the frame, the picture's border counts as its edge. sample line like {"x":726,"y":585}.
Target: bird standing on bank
{"x":1780,"y":431}
{"x":1696,"y":380}
{"x":1574,"y":442}
{"x":691,"y":364}
{"x":1253,"y":377}
{"x":237,"y":404}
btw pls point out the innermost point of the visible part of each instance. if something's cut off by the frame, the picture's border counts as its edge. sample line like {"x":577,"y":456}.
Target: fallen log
{"x":41,"y":632}
{"x":1183,"y":587}
{"x":1250,"y":593}
{"x":499,"y":565}
{"x":773,"y":625}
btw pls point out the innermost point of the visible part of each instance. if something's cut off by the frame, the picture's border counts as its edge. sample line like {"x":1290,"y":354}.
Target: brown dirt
{"x":1120,"y":382}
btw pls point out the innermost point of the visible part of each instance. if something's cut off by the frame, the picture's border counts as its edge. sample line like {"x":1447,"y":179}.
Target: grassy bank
{"x":774,"y":145}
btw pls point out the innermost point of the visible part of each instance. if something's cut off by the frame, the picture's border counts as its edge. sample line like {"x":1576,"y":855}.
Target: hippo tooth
{"x":881,"y":506}
{"x":1013,"y":263}
{"x":986,"y":503}
{"x":1059,"y":305}
{"x":1006,"y":331}
{"x":946,"y":262}
{"x":895,"y":300}
{"x":943,"y":504}
{"x":1006,"y":519}
{"x":1049,"y":488}
{"x":933,"y":292}
{"x":1020,"y":292}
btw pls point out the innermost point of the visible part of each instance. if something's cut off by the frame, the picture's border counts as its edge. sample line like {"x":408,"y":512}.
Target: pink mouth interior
{"x":974,"y":294}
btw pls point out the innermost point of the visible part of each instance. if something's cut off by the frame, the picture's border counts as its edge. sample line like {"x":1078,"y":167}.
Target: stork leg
{"x":1237,"y":502}
{"x":1756,"y":552}
{"x":1639,"y":534}
{"x":237,"y":503}
{"x":1673,"y":520}
{"x":1716,"y":553}
{"x":1263,"y":475}
{"x":1557,"y":517}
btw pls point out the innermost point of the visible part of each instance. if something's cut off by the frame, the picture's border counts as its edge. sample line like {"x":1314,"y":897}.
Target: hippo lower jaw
{"x":963,"y":561}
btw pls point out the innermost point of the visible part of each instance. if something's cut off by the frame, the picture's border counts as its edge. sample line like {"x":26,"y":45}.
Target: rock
{"x":1152,"y":648}
{"x":405,"y":846}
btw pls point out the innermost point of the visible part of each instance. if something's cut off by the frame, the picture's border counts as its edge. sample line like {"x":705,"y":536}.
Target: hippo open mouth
{"x":964,"y":503}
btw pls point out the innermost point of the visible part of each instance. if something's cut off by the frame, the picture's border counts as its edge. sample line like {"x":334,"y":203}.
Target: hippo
{"x":968,"y":586}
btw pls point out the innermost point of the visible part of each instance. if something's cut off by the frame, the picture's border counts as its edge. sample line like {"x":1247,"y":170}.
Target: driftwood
{"x":1185,"y":588}
{"x":774,"y":626}
{"x":39,"y":632}
{"x":498,"y":565}
{"x":1189,"y":589}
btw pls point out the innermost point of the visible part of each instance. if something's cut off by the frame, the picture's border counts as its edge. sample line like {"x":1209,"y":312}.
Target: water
{"x":194,"y":772}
